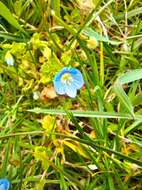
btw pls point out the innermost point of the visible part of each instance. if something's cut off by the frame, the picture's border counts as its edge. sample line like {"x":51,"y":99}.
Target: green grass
{"x":91,"y":142}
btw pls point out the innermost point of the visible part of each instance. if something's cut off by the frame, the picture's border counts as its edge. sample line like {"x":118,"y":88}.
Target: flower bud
{"x":9,"y":59}
{"x":92,"y":43}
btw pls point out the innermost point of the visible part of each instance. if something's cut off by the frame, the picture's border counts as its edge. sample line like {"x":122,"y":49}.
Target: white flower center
{"x":67,"y":78}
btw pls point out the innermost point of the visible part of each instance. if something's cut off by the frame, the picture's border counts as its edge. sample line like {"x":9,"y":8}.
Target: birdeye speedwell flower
{"x":68,"y":81}
{"x":9,"y":59}
{"x":4,"y":184}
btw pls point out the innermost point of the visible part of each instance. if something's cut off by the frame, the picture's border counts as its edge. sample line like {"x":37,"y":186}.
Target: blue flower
{"x":9,"y":59}
{"x":68,"y":81}
{"x":4,"y":184}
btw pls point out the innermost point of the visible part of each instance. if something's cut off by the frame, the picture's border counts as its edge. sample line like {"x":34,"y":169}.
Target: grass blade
{"x":90,"y":114}
{"x":6,"y":14}
{"x":123,"y":97}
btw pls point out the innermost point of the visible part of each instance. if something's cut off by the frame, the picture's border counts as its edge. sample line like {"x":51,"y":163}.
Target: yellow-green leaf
{"x":76,"y":147}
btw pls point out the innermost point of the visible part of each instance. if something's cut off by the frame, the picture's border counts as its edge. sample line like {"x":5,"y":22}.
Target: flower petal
{"x":78,"y":78}
{"x":4,"y":184}
{"x":70,"y":91}
{"x":65,"y":69}
{"x":59,"y":87}
{"x":57,"y":77}
{"x":74,"y":71}
{"x":69,"y":88}
{"x":78,"y":81}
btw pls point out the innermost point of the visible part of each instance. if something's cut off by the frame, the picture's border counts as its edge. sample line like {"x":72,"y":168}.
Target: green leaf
{"x":6,"y":159}
{"x":92,"y":33}
{"x":118,"y":89}
{"x":56,"y":7}
{"x":131,"y":76}
{"x":131,"y":13}
{"x":135,"y":12}
{"x":6,"y":14}
{"x":133,"y":126}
